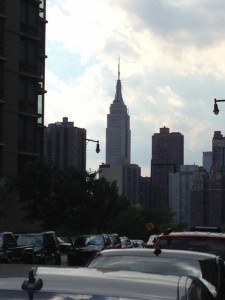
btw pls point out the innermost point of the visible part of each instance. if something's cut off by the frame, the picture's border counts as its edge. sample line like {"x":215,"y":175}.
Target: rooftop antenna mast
{"x":118,"y":68}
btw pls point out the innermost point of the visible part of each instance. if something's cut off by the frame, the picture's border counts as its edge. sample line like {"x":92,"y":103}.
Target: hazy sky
{"x":172,"y":66}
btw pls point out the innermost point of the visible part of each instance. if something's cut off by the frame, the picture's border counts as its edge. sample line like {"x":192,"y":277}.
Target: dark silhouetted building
{"x":207,"y":207}
{"x":167,"y":156}
{"x":65,"y":145}
{"x":218,"y":151}
{"x":207,"y":160}
{"x":145,"y":185}
{"x":22,"y":90}
{"x":22,"y":83}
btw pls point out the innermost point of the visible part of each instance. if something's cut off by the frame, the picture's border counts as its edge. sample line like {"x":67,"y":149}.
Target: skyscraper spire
{"x":118,"y":96}
{"x":118,"y":68}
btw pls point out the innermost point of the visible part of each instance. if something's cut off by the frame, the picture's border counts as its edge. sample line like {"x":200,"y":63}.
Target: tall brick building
{"x":167,"y":156}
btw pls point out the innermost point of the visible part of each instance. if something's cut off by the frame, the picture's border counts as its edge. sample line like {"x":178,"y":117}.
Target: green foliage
{"x":6,"y":194}
{"x":223,"y":228}
{"x":131,"y":222}
{"x":75,"y":202}
{"x":162,"y":220}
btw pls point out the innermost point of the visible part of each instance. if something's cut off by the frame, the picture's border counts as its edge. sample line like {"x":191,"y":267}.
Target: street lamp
{"x":97,"y":144}
{"x":216,"y":109}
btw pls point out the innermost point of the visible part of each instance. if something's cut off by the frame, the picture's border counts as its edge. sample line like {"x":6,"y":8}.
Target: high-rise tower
{"x":118,"y":144}
{"x":22,"y":83}
{"x":118,"y":129}
{"x":218,"y":151}
{"x":167,"y":156}
{"x":65,"y":145}
{"x":22,"y":91}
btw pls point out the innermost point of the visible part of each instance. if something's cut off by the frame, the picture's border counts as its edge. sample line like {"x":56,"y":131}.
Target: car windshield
{"x":30,"y":239}
{"x":84,"y":241}
{"x":213,"y":246}
{"x":206,"y":269}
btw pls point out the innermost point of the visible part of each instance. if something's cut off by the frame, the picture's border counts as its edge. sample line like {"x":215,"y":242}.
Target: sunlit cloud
{"x":171,"y":62}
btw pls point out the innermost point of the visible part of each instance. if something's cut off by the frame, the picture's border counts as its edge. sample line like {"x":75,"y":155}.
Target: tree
{"x":163,"y":219}
{"x":131,"y":222}
{"x":6,"y":194}
{"x":72,"y":201}
{"x":35,"y":189}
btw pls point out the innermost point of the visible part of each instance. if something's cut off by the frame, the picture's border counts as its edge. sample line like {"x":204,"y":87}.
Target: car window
{"x":9,"y":239}
{"x":89,"y":240}
{"x":35,"y":240}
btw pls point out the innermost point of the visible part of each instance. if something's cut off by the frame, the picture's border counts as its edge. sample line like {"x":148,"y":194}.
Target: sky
{"x":172,"y":66}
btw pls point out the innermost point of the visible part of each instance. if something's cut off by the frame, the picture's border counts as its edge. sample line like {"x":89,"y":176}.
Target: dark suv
{"x":85,"y":247}
{"x":46,"y":246}
{"x":210,"y":242}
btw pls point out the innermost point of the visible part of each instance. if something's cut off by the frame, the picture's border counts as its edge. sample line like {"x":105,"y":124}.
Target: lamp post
{"x":216,"y":109}
{"x":95,"y":141}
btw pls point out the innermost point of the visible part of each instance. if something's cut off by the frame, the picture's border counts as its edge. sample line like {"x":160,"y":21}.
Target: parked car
{"x":115,"y":240}
{"x":207,"y":267}
{"x":210,"y":242}
{"x":138,"y":244}
{"x":46,"y":246}
{"x":85,"y":247}
{"x":64,"y":246}
{"x":125,"y":242}
{"x":83,"y":283}
{"x":11,"y":251}
{"x":69,"y":239}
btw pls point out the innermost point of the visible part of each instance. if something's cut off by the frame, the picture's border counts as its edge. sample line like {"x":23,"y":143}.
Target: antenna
{"x":118,"y":68}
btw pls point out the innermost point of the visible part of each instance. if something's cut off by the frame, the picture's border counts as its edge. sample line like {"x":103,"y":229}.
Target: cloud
{"x":172,"y":67}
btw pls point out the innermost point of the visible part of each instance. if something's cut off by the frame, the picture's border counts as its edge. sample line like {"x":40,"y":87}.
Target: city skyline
{"x":171,"y":57}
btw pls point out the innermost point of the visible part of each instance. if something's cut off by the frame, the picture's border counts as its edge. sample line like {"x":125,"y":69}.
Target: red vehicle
{"x":209,"y":242}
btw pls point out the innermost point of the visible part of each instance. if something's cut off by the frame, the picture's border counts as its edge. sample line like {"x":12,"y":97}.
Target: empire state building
{"x":118,"y":147}
{"x":118,"y":134}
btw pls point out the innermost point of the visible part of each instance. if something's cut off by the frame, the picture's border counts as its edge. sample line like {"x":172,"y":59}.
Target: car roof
{"x":194,"y":233}
{"x":124,"y":284}
{"x":36,"y":233}
{"x":169,"y":253}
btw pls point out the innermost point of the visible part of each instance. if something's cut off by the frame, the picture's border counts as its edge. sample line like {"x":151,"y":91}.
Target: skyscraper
{"x":118,"y":148}
{"x":118,"y":134}
{"x":22,"y":83}
{"x":180,"y":186}
{"x":207,"y":207}
{"x":167,"y":156}
{"x":65,"y":145}
{"x":207,"y":160}
{"x":218,"y":151}
{"x":22,"y":90}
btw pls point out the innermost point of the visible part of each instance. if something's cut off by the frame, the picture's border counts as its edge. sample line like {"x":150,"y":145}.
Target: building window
{"x":29,"y":17}
{"x":28,"y":95}
{"x":1,"y":78}
{"x":2,"y":6}
{"x":29,"y":56}
{"x":40,"y":108}
{"x":27,"y":134}
{"x":1,"y":122}
{"x":2,"y":23}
